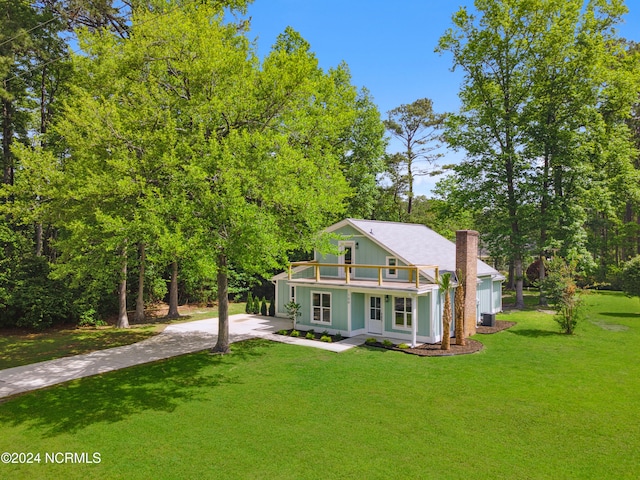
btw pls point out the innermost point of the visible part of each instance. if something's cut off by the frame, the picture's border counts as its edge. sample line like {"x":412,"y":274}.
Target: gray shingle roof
{"x":415,"y":244}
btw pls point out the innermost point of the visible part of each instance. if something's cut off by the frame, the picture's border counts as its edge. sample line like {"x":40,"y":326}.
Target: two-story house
{"x":384,"y":281}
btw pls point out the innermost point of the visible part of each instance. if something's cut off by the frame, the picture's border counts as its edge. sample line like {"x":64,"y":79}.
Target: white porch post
{"x":414,"y":323}
{"x":349,"y":311}
{"x":435,"y":316}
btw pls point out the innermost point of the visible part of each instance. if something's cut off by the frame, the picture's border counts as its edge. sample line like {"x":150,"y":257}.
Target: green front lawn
{"x":532,"y":404}
{"x":22,"y":347}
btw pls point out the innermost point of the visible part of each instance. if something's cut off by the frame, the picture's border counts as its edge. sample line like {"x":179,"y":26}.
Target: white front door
{"x":375,"y":315}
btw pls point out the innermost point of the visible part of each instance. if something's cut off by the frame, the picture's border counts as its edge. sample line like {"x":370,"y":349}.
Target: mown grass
{"x":533,"y":404}
{"x":19,"y":347}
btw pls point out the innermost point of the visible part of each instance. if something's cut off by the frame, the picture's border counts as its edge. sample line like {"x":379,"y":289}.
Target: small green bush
{"x":310,"y":336}
{"x":263,"y":307}
{"x":371,"y":340}
{"x":272,"y":308}
{"x":282,"y":332}
{"x":325,"y":338}
{"x":325,"y":332}
{"x":338,"y":336}
{"x":295,"y":333}
{"x":249,"y":306}
{"x":88,"y":318}
{"x":387,"y":343}
{"x":403,"y":346}
{"x":256,"y":306}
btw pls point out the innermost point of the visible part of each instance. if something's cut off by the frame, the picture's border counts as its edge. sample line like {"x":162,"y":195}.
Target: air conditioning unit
{"x":488,"y":319}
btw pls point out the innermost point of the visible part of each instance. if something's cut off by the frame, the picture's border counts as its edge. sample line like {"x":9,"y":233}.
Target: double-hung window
{"x":321,"y":307}
{"x":402,"y":312}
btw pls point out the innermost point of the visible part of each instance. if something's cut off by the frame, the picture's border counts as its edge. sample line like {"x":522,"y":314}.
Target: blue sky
{"x":389,"y":46}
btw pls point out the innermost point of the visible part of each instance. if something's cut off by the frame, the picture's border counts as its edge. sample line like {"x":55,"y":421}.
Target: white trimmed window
{"x":321,"y":307}
{"x":402,"y":315}
{"x":392,"y":272}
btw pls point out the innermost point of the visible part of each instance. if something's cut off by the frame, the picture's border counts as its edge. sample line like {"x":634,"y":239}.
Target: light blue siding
{"x":358,"y":309}
{"x":282,"y":292}
{"x":338,"y":308}
{"x":424,"y":316}
{"x":366,"y":252}
{"x":497,"y":296}
{"x":485,"y":293}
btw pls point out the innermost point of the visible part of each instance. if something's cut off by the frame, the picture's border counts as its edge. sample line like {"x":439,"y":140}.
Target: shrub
{"x":263,"y":307}
{"x":310,"y":336}
{"x":631,"y":277}
{"x":561,"y":290}
{"x":403,"y":346}
{"x":282,"y":332}
{"x":295,"y":333}
{"x":325,"y":338}
{"x":387,"y":343}
{"x":88,"y":318}
{"x":371,"y":340}
{"x":34,"y":299}
{"x":338,"y":336}
{"x":249,"y":307}
{"x":293,"y":311}
{"x":256,"y":306}
{"x":272,"y":308}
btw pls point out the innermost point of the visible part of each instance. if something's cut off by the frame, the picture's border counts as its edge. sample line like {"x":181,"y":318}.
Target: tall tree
{"x":540,"y":77}
{"x":417,"y":127}
{"x":199,"y":132}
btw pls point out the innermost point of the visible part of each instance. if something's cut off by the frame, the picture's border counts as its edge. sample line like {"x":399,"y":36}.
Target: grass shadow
{"x":114,"y":396}
{"x":534,"y":333}
{"x":620,"y":315}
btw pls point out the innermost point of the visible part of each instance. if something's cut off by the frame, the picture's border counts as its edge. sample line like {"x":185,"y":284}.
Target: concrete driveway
{"x":176,"y":339}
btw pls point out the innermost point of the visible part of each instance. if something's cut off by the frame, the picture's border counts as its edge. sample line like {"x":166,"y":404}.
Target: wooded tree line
{"x":167,"y":149}
{"x":159,"y":155}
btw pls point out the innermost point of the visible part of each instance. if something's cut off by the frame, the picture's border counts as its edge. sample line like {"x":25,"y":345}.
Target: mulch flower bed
{"x":316,"y":335}
{"x":435,"y":350}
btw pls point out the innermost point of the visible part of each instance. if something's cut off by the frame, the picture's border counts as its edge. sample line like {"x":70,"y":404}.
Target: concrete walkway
{"x":176,"y":339}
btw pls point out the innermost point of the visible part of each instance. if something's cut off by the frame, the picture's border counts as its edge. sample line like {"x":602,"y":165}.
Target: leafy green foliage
{"x":560,"y":289}
{"x":272,"y":308}
{"x":256,"y":306}
{"x":263,"y":307}
{"x":249,"y":305}
{"x":293,"y":310}
{"x":547,"y":86}
{"x":631,"y":277}
{"x":36,"y":301}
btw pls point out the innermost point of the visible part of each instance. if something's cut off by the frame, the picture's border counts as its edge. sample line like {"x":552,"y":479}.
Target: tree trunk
{"x":39,"y":241}
{"x":222,"y":345}
{"x":446,"y":322}
{"x":511,"y":281}
{"x":139,"y":316}
{"x":459,"y":311}
{"x":542,"y":274}
{"x":123,"y":319}
{"x":638,"y":237}
{"x":519,"y":282}
{"x":7,"y":138}
{"x":173,"y":292}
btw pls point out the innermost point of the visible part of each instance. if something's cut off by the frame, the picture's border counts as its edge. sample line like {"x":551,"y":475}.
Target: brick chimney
{"x":467,"y":263}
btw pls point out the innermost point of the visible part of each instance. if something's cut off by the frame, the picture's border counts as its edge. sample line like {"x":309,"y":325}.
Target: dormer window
{"x":392,"y":272}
